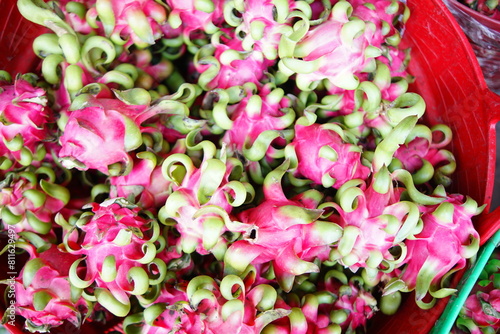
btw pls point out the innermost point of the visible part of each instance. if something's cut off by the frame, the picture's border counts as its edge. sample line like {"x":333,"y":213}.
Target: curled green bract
{"x":219,"y":111}
{"x":405,"y":177}
{"x":93,"y":50}
{"x":176,"y":166}
{"x":47,"y":44}
{"x":406,"y":105}
{"x":231,"y":287}
{"x":70,"y":46}
{"x":385,"y":150}
{"x":39,"y":12}
{"x":410,"y":211}
{"x":50,"y":68}
{"x":73,"y":79}
{"x":259,"y":147}
{"x":204,"y":56}
{"x":111,"y":303}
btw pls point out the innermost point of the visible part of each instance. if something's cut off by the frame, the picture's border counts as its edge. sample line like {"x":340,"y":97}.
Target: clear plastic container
{"x":483,"y":33}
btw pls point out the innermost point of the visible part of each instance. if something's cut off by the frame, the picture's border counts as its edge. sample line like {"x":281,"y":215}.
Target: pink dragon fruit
{"x":447,"y":240}
{"x":261,"y":24}
{"x":343,"y":39}
{"x":336,"y":304}
{"x":118,"y":248}
{"x":326,"y":155}
{"x":203,"y":199}
{"x":114,"y":126}
{"x":370,"y":97}
{"x":30,"y":199}
{"x":481,"y":311}
{"x":484,"y":310}
{"x":424,"y":156}
{"x":130,"y":22}
{"x":389,"y":73}
{"x":257,"y":125}
{"x":356,"y":305}
{"x":107,"y":124}
{"x":224,"y":63}
{"x":144,"y":185}
{"x":375,"y":221}
{"x":303,"y":237}
{"x":384,"y":16}
{"x":25,"y":121}
{"x":43,"y":293}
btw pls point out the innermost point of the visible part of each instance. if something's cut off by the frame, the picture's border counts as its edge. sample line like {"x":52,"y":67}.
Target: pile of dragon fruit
{"x":226,"y":166}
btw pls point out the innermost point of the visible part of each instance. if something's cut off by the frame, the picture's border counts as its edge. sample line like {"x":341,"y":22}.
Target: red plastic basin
{"x":447,"y":76}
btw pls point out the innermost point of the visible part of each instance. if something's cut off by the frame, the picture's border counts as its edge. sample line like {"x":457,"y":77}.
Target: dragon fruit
{"x":113,"y":125}
{"x":369,"y":98}
{"x":481,"y":311}
{"x":203,"y":198}
{"x":25,"y":121}
{"x":384,"y":19}
{"x":224,"y":63}
{"x":375,"y":220}
{"x":484,"y":310}
{"x":118,"y":254}
{"x":425,"y":158}
{"x":303,"y":236}
{"x":236,"y":167}
{"x":44,"y":295}
{"x":357,"y":305}
{"x":428,"y":263}
{"x":326,"y":155}
{"x":104,"y":123}
{"x":343,"y":39}
{"x":261,"y":23}
{"x":144,"y":185}
{"x":335,"y":304}
{"x":257,"y":126}
{"x":30,"y":198}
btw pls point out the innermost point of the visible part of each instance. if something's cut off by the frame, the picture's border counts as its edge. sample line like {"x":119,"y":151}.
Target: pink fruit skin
{"x":440,"y":244}
{"x":307,"y":143}
{"x":23,"y":111}
{"x":51,"y":278}
{"x":95,"y":136}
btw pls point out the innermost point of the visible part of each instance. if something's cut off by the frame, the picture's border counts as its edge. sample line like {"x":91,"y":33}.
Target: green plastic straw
{"x":450,"y":314}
